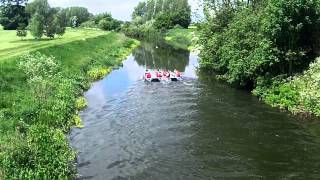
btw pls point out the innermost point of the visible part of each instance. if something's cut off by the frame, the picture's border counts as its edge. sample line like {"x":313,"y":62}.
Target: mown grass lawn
{"x":11,"y":45}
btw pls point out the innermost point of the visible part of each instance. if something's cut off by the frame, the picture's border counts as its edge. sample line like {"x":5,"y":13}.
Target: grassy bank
{"x":11,"y":45}
{"x":300,"y":94}
{"x":181,"y":38}
{"x":40,"y":98}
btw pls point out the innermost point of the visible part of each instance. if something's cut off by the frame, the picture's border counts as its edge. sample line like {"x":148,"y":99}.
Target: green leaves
{"x":243,"y":42}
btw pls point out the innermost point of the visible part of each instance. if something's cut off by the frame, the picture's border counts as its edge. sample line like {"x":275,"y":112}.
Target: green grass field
{"x":32,"y":130}
{"x":181,"y":38}
{"x":11,"y":45}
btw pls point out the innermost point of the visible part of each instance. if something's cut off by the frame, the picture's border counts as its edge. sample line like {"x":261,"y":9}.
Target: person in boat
{"x":178,"y":74}
{"x":147,"y":74}
{"x":159,"y":73}
{"x":166,"y":73}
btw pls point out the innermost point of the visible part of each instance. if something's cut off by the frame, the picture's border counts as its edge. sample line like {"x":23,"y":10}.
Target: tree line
{"x":158,"y":15}
{"x":42,"y":20}
{"x":251,"y":43}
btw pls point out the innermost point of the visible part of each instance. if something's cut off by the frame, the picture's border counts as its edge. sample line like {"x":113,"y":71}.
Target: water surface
{"x":194,"y":129}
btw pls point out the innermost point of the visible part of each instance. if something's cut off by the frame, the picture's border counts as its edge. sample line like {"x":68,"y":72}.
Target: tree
{"x":36,"y":26}
{"x":13,"y":2}
{"x":60,"y":20}
{"x":46,"y":20}
{"x":12,"y":13}
{"x":51,"y":25}
{"x":244,"y":42}
{"x":109,"y":24}
{"x":163,"y":21}
{"x":21,"y":31}
{"x":74,"y":21}
{"x":41,"y":7}
{"x":139,"y":10}
{"x":168,"y":13}
{"x":81,"y":13}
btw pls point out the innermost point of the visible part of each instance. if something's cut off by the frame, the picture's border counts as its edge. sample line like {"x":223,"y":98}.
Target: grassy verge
{"x":40,"y":99}
{"x":181,"y":38}
{"x":11,"y":45}
{"x":300,"y":94}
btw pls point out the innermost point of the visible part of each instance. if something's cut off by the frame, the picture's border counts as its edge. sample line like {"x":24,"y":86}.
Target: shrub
{"x":242,"y":42}
{"x":21,"y":31}
{"x":77,"y":121}
{"x":81,"y":103}
{"x":89,"y":24}
{"x":163,"y":21}
{"x":98,"y":73}
{"x":45,"y":154}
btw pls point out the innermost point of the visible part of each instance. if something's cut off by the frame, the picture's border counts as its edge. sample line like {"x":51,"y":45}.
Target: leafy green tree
{"x":140,"y":10}
{"x":51,"y":23}
{"x":21,"y":31}
{"x":81,"y":13}
{"x":41,"y":7}
{"x":12,"y":13}
{"x":36,"y":26}
{"x":163,"y":21}
{"x":46,"y":20}
{"x":156,"y":16}
{"x":60,"y":20}
{"x":106,"y":22}
{"x":249,"y":40}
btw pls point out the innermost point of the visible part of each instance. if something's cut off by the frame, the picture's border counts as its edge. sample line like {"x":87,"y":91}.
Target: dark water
{"x":194,"y":129}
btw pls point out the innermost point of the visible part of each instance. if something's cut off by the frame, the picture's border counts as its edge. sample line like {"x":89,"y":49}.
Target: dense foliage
{"x":181,"y":38}
{"x":13,"y":14}
{"x":81,"y":13}
{"x":39,"y":103}
{"x":45,"y":20}
{"x":104,"y":21}
{"x":258,"y":44}
{"x":298,"y":94}
{"x":242,"y":42}
{"x":158,"y":15}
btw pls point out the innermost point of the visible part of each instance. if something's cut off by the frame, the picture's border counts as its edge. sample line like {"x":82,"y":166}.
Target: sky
{"x":120,"y":9}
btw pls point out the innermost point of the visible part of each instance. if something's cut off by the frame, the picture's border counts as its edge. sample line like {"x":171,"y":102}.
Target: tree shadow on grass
{"x":34,"y":40}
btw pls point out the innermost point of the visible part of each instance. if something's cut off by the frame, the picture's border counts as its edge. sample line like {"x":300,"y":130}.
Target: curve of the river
{"x":194,"y":129}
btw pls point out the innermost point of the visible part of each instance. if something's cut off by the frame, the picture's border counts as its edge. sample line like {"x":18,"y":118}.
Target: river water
{"x":197,"y":128}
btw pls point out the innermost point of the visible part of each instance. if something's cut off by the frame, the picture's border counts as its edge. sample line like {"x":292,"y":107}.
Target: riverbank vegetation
{"x":262,"y":45}
{"x":181,"y":38}
{"x":39,"y":100}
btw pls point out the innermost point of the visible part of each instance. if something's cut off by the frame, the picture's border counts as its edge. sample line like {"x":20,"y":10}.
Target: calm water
{"x":194,"y":129}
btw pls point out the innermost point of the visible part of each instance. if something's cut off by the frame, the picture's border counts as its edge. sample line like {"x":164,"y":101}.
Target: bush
{"x":33,"y":125}
{"x":245,"y":41}
{"x":22,"y":33}
{"x":163,"y":21}
{"x":89,"y":24}
{"x":45,"y":154}
{"x":298,"y":94}
{"x":81,"y":103}
{"x":109,"y":25}
{"x":98,"y":73}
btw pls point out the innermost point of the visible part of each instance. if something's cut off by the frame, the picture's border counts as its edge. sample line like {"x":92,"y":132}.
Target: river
{"x":197,"y":128}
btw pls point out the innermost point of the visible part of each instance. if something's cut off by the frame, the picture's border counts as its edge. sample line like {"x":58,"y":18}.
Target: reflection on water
{"x":194,"y":129}
{"x":162,"y":57}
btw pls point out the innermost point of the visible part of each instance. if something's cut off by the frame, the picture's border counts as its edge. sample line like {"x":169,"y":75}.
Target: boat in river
{"x":162,"y":75}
